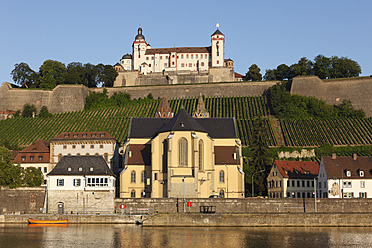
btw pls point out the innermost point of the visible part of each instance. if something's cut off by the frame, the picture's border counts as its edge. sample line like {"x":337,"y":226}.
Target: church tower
{"x":164,"y":110}
{"x":218,"y":48}
{"x":200,"y":111}
{"x":139,"y":49}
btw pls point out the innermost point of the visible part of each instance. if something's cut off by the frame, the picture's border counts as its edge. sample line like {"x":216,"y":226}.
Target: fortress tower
{"x":218,"y":48}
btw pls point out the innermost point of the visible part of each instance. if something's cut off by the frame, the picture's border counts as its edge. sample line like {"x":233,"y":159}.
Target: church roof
{"x":150,"y":127}
{"x":217,"y":32}
{"x":90,"y":165}
{"x":164,"y":109}
{"x":201,"y":111}
{"x":178,"y":50}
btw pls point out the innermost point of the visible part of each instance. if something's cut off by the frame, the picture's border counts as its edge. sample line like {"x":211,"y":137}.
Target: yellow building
{"x":182,"y":157}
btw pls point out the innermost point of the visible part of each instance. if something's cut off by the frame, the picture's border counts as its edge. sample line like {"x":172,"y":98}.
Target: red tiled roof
{"x":348,"y":164}
{"x":139,"y":154}
{"x":224,"y":155}
{"x":297,"y":169}
{"x":178,"y":50}
{"x":237,"y":75}
{"x":83,"y":136}
{"x":39,"y":148}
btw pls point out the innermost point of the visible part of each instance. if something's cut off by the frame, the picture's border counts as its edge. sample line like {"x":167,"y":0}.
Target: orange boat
{"x":31,"y":221}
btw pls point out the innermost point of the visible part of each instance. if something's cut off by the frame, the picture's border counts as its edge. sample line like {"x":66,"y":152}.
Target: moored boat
{"x":32,"y":221}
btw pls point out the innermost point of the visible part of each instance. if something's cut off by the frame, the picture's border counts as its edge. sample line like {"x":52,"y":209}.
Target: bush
{"x":28,"y":110}
{"x":44,"y":112}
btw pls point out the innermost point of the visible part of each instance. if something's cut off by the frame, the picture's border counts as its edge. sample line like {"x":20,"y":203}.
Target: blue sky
{"x":267,"y":33}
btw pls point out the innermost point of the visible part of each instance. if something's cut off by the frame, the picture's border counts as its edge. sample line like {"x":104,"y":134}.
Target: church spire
{"x":164,"y":110}
{"x":200,"y":111}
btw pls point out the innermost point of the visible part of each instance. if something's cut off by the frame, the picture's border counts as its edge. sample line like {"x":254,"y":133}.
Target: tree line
{"x":52,"y":73}
{"x":322,"y":66}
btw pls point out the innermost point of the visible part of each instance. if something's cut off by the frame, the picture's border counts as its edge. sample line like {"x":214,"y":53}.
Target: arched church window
{"x":143,"y":176}
{"x":133,"y":193}
{"x":133,"y":177}
{"x":222,"y":193}
{"x":201,"y":155}
{"x":222,"y":176}
{"x":182,"y":152}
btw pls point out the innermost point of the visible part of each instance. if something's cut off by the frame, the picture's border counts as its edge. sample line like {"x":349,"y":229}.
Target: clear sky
{"x":264,"y":32}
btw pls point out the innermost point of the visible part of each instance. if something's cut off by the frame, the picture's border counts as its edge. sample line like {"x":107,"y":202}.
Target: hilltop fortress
{"x":66,"y":98}
{"x":175,"y":65}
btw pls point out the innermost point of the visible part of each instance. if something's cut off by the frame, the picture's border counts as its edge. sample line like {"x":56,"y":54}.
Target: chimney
{"x":333,"y":155}
{"x":355,"y":156}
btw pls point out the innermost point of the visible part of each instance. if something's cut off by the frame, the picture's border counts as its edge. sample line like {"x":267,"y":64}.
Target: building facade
{"x":85,"y":143}
{"x":80,"y":184}
{"x":292,"y":179}
{"x":182,"y":157}
{"x":35,"y":155}
{"x":345,"y":177}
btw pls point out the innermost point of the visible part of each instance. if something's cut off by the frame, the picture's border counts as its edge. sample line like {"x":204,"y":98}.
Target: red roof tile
{"x":31,"y":154}
{"x":139,"y":154}
{"x":297,"y":169}
{"x":348,"y":164}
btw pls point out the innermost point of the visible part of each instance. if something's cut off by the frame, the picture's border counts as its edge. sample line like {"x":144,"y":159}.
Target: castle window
{"x":202,"y":63}
{"x":222,"y":176}
{"x":161,"y":57}
{"x":182,"y":56}
{"x":196,"y":56}
{"x":182,"y":152}
{"x":173,"y":56}
{"x":201,"y":56}
{"x":147,"y":58}
{"x":192,"y":56}
{"x":32,"y":158}
{"x":218,"y":62}
{"x":133,"y":193}
{"x":201,"y":157}
{"x":133,"y":177}
{"x":190,"y":64}
{"x":149,"y":65}
{"x":40,"y":158}
{"x":182,"y":65}
{"x":73,"y":146}
{"x":165,"y":64}
{"x":166,"y":57}
{"x":91,"y":146}
{"x":60,"y":182}
{"x":187,"y":56}
{"x":23,"y":158}
{"x":64,"y":146}
{"x":172,"y":63}
{"x":101,"y":146}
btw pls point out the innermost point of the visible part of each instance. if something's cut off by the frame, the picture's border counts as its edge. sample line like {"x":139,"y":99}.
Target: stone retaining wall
{"x":21,"y":200}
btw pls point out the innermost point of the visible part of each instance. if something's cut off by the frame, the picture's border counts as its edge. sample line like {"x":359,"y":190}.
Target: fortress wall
{"x":68,"y":98}
{"x":358,"y":90}
{"x":194,"y":90}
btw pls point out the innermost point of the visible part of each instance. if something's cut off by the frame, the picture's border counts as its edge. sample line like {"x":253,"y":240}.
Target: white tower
{"x":139,"y":49}
{"x":218,"y":48}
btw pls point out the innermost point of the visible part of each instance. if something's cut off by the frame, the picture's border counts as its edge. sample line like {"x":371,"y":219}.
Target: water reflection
{"x":137,"y":236}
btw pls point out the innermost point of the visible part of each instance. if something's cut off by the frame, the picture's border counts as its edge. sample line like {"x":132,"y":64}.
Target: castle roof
{"x":150,"y":127}
{"x":81,"y":165}
{"x":82,"y":136}
{"x":217,"y":32}
{"x":178,"y":50}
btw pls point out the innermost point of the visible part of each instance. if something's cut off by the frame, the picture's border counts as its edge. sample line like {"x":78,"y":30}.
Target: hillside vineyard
{"x":115,"y":121}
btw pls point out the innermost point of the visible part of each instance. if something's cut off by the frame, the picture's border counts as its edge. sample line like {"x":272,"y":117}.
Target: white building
{"x":147,"y":60}
{"x":85,"y":143}
{"x":292,"y":179}
{"x":345,"y":177}
{"x":80,"y":184}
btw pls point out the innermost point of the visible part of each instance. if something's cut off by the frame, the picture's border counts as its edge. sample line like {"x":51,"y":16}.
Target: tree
{"x":253,"y":73}
{"x":106,"y":75}
{"x":346,"y":110}
{"x":260,"y":159}
{"x":10,"y":174}
{"x":270,"y":75}
{"x":302,"y":68}
{"x":322,"y":66}
{"x":52,"y":73}
{"x":23,"y":75}
{"x":344,"y":67}
{"x":282,"y":72}
{"x":28,"y":110}
{"x":75,"y":74}
{"x":32,"y":177}
{"x":44,"y":112}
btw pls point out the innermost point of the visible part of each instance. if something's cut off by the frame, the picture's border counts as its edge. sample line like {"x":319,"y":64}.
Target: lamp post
{"x":184,"y":193}
{"x":342,"y":181}
{"x":253,"y":181}
{"x":227,"y":182}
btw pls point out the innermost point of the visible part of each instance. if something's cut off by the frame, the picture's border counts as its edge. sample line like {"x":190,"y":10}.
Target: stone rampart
{"x":358,"y":90}
{"x":21,"y":200}
{"x":251,"y":205}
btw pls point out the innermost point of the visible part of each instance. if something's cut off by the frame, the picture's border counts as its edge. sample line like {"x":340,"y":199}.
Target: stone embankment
{"x":211,"y":220}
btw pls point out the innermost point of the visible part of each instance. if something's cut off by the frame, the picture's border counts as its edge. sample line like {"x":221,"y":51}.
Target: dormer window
{"x":102,"y":135}
{"x":69,"y":168}
{"x":361,"y":173}
{"x":66,"y":135}
{"x":348,"y":173}
{"x":75,"y":135}
{"x":182,"y":124}
{"x":93,"y":135}
{"x":91,"y":168}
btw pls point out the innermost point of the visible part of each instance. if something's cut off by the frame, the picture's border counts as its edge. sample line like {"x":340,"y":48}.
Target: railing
{"x":136,"y":211}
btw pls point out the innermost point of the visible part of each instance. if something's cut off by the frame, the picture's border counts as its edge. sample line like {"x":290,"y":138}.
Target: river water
{"x":99,"y":236}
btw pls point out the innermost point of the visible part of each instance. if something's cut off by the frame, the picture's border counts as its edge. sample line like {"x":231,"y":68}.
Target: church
{"x":201,"y":63}
{"x":175,"y":156}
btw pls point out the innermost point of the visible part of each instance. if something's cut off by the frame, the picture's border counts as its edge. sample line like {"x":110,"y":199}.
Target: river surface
{"x":99,"y":236}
